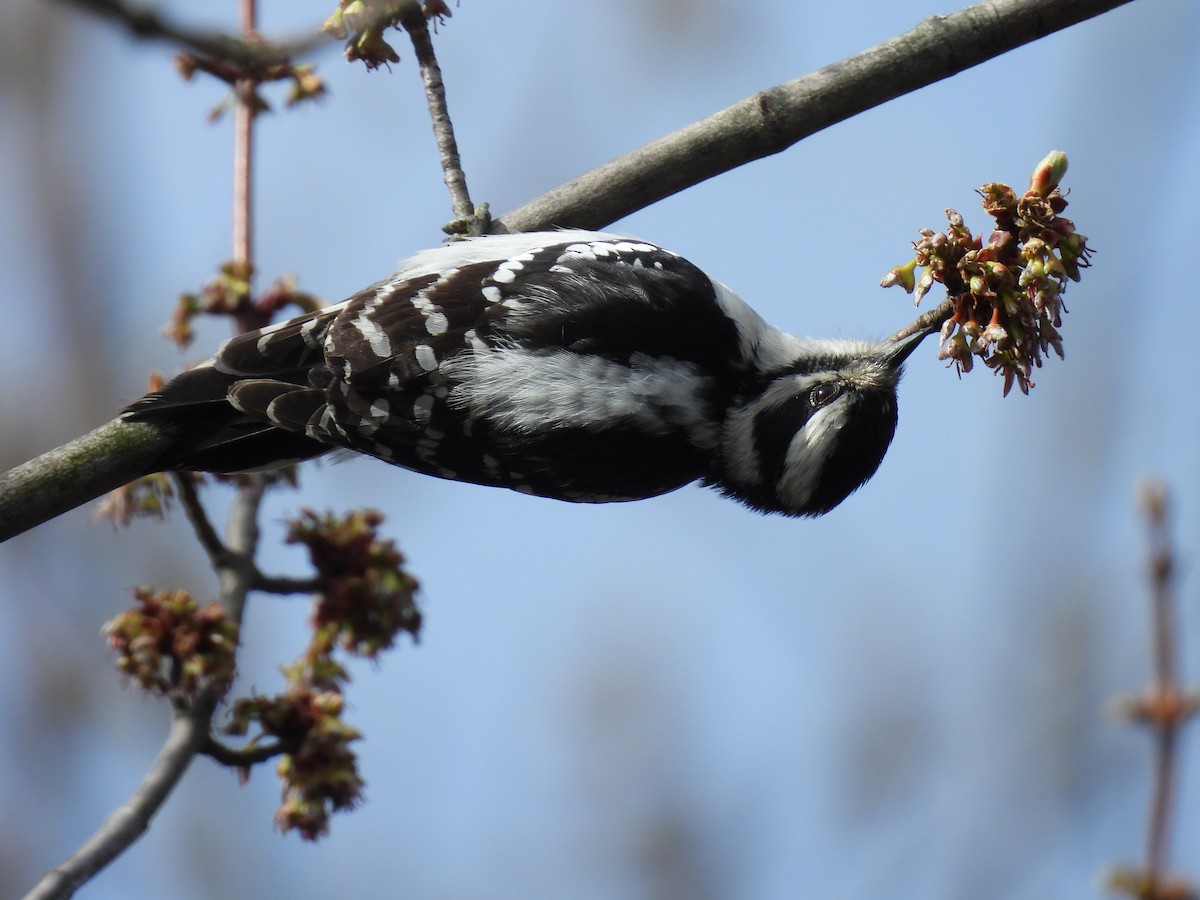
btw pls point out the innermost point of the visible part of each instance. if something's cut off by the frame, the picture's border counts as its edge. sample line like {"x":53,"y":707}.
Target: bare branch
{"x":206,"y":534}
{"x":773,"y":120}
{"x":282,"y":585}
{"x":64,"y":478}
{"x":1165,"y":708}
{"x":146,"y":22}
{"x":1166,"y":691}
{"x":235,"y":758}
{"x":414,"y":22}
{"x":129,"y":822}
{"x":239,"y":574}
{"x":928,"y":319}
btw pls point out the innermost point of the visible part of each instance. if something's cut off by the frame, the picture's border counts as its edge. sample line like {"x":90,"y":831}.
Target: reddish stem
{"x":243,"y":166}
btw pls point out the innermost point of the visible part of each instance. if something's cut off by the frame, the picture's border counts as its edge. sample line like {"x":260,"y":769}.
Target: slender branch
{"x":247,"y":52}
{"x":281,"y":585}
{"x":239,"y":575}
{"x":929,"y":319}
{"x":219,"y":555}
{"x":244,"y":112}
{"x":1165,"y":708}
{"x":1166,"y":691}
{"x":770,"y":121}
{"x":190,"y":728}
{"x":243,"y":175}
{"x":206,"y":534}
{"x":126,"y":824}
{"x":233,"y":757}
{"x":414,"y":22}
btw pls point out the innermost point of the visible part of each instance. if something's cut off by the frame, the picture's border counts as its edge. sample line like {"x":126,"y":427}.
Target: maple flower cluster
{"x":169,"y":644}
{"x":1007,"y":292}
{"x":364,"y":601}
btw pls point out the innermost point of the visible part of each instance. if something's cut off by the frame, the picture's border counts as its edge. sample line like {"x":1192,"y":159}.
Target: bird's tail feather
{"x":211,"y":434}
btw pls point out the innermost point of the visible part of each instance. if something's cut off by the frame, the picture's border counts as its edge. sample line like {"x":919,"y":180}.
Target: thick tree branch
{"x":62,"y":479}
{"x":773,"y":120}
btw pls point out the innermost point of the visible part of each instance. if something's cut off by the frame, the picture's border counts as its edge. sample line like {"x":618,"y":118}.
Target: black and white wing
{"x":574,"y":365}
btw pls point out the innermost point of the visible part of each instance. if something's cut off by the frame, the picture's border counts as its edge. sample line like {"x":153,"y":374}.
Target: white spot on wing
{"x":306,"y":331}
{"x":507,"y":272}
{"x":425,"y":357}
{"x":376,"y":337}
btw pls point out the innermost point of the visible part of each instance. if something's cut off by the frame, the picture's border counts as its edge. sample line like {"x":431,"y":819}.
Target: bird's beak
{"x":898,"y":352}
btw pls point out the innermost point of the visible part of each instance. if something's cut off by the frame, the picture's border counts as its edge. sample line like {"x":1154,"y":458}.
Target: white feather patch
{"x":514,"y":389}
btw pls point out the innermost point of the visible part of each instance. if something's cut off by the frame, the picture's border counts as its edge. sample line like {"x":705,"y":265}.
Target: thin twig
{"x":414,"y":22}
{"x":930,"y":319}
{"x":1166,"y":691}
{"x":243,"y":178}
{"x":190,"y":729}
{"x":206,"y":534}
{"x":240,"y":575}
{"x":272,"y":584}
{"x":220,"y":556}
{"x":244,"y":53}
{"x":129,"y":822}
{"x":235,"y":758}
{"x":1164,"y":708}
{"x":244,"y":112}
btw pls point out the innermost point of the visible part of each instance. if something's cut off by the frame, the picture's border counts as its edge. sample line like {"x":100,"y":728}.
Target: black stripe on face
{"x":848,"y":453}
{"x":858,"y":449}
{"x":776,"y":427}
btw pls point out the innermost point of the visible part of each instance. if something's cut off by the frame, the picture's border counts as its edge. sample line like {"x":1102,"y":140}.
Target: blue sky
{"x":672,"y":698}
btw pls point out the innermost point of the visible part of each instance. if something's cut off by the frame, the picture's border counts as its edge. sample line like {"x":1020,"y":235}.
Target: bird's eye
{"x":824,"y":394}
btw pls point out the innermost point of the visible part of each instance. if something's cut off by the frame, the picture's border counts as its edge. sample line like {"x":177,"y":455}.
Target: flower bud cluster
{"x":168,"y":644}
{"x":318,"y":771}
{"x":364,"y":600}
{"x":1006,"y":292}
{"x":361,"y":24}
{"x":229,"y":294}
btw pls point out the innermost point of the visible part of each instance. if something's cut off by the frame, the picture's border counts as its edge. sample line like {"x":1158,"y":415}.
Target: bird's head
{"x":814,"y":429}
